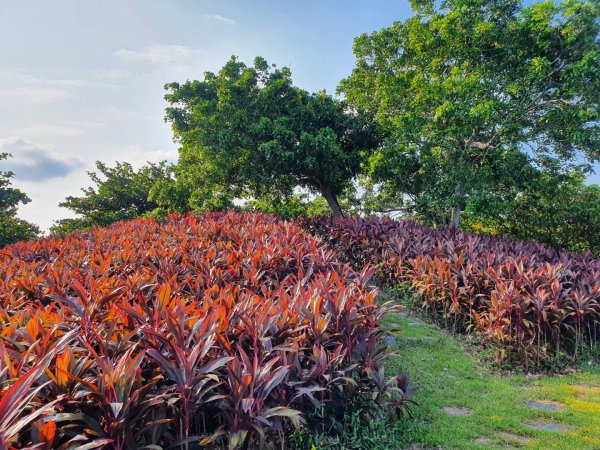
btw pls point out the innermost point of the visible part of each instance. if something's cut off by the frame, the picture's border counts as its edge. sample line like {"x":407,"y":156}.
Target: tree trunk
{"x":455,"y":214}
{"x":331,"y":201}
{"x":455,"y":217}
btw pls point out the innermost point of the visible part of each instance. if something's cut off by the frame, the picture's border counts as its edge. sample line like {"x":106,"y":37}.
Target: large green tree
{"x":120,"y":193}
{"x":12,"y":228}
{"x":476,"y":92}
{"x":248,"y":132}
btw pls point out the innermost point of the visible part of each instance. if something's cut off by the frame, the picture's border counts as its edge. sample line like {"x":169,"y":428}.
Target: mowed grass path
{"x":493,"y":404}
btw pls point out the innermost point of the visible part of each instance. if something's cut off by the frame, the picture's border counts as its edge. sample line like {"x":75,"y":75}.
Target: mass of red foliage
{"x":223,"y":329}
{"x":531,"y":302}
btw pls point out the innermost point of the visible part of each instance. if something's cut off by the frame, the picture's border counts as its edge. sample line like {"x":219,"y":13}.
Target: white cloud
{"x":18,"y":77}
{"x":31,"y":162}
{"x":45,"y":130}
{"x":137,"y":156}
{"x":34,"y":95}
{"x":21,"y":88}
{"x":80,"y":83}
{"x":111,"y":74}
{"x":159,"y":54}
{"x":220,"y":18}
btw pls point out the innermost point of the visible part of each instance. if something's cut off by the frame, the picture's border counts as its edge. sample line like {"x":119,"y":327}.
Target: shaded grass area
{"x":447,"y":375}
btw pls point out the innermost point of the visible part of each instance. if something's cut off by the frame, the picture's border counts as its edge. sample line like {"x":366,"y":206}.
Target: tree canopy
{"x":12,"y":228}
{"x":121,"y":193}
{"x":248,"y":132}
{"x":473,"y":92}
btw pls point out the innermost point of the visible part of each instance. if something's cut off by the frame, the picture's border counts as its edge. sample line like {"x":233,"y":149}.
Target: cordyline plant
{"x":19,"y":403}
{"x":222,"y":330}
{"x":530,"y":301}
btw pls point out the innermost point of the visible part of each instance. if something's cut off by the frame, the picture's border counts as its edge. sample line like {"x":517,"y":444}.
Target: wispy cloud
{"x":111,"y":74}
{"x":44,"y":130}
{"x":138,"y":156}
{"x":31,"y":162}
{"x":26,"y":86}
{"x":34,"y":95}
{"x":159,"y":54}
{"x":47,"y":130}
{"x":220,"y":18}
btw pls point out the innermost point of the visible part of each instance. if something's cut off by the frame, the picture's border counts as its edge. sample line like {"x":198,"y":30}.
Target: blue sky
{"x":82,"y":81}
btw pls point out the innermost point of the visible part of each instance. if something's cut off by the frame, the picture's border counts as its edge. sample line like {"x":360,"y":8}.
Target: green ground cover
{"x":447,"y":374}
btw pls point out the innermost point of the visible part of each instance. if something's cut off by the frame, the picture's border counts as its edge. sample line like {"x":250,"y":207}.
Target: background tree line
{"x":12,"y":228}
{"x":477,"y":114}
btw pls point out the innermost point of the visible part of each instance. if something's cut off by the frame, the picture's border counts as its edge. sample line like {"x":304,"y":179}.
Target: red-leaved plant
{"x":223,"y":330}
{"x":528,"y":300}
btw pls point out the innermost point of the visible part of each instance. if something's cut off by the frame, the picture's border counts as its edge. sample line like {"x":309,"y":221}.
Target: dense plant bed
{"x":227,"y":328}
{"x":530,"y":301}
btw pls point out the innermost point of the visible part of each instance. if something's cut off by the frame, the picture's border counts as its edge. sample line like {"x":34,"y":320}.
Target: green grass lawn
{"x":447,"y":375}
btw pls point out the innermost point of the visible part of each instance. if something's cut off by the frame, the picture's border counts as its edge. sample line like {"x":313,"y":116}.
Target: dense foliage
{"x":12,"y":228}
{"x":121,"y":193}
{"x":248,"y":132}
{"x":529,"y":300}
{"x":561,"y":211}
{"x":475,"y":94}
{"x":227,"y":328}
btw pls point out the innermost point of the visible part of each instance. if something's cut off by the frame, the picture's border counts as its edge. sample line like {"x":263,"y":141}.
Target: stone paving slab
{"x":457,"y":411}
{"x":545,"y":405}
{"x":547,"y":425}
{"x":390,"y":340}
{"x":419,"y":339}
{"x":511,"y":437}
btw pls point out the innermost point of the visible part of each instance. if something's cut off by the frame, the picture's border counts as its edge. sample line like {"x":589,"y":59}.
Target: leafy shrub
{"x":222,"y":329}
{"x":531,"y":301}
